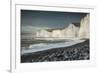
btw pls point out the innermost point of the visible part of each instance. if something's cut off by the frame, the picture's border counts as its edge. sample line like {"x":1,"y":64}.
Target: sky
{"x":48,"y":19}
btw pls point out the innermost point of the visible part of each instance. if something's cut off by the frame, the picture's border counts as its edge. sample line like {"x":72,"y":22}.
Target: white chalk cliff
{"x":71,"y":31}
{"x":74,"y":30}
{"x":84,"y":27}
{"x":43,"y":33}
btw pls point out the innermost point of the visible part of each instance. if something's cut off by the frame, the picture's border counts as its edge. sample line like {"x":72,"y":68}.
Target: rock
{"x":76,"y":52}
{"x":71,"y":31}
{"x":84,"y":27}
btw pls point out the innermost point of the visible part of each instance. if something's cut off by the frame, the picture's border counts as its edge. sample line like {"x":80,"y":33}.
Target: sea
{"x":31,"y":46}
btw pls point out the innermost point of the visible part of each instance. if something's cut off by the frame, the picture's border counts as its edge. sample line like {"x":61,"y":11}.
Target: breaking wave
{"x":46,"y":46}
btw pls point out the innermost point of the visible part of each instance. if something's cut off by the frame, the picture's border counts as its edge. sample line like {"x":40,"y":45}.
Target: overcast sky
{"x":41,"y":19}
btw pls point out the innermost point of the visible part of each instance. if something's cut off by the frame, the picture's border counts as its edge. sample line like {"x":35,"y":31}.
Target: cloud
{"x":32,"y":28}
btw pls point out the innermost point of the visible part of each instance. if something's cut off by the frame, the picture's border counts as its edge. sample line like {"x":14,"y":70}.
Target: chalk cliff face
{"x":56,"y":33}
{"x":71,"y":31}
{"x":74,"y":30}
{"x":84,"y":27}
{"x":43,"y":33}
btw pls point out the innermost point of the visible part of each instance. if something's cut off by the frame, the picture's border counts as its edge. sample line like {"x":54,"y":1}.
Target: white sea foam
{"x":46,"y":46}
{"x":38,"y":45}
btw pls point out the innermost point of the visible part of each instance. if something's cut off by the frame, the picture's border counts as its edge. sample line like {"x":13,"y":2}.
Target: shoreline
{"x":78,"y":51}
{"x":46,"y":46}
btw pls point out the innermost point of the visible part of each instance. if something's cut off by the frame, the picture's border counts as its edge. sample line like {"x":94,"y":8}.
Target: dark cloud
{"x":49,"y":18}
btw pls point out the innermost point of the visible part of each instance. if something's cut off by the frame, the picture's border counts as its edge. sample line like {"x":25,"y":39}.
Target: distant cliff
{"x":68,"y":32}
{"x":71,"y":31}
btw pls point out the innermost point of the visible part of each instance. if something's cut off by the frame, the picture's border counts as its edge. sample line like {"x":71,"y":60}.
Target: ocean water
{"x":45,"y":45}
